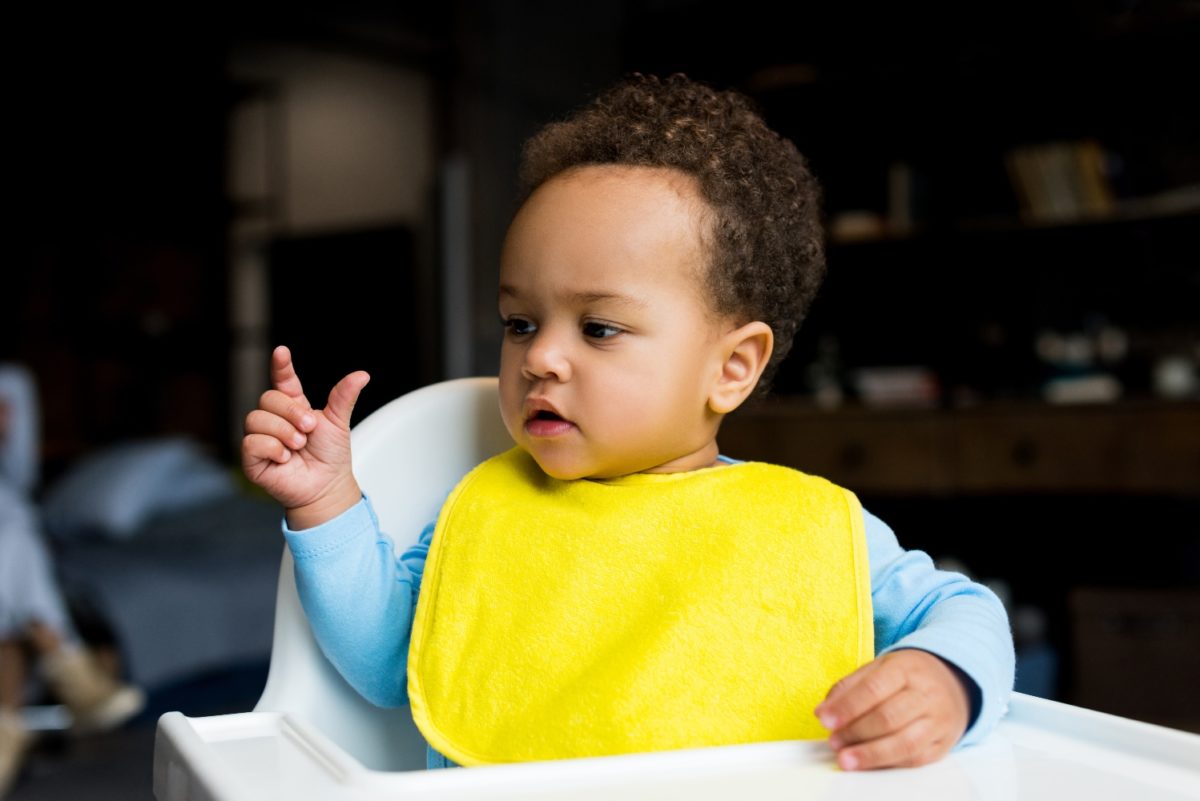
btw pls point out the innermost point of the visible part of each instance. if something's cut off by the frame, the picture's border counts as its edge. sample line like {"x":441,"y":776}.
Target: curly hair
{"x":767,"y":256}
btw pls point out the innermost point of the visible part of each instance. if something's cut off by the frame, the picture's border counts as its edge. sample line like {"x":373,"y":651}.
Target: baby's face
{"x":610,"y":348}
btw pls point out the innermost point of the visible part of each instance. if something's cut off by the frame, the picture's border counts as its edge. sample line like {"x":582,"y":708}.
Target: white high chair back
{"x":408,"y":455}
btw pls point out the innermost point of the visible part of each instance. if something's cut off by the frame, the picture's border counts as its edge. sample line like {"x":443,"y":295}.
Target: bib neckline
{"x":639,"y":479}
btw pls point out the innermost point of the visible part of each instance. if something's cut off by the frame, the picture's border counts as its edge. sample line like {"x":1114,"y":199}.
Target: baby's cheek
{"x":510,"y":406}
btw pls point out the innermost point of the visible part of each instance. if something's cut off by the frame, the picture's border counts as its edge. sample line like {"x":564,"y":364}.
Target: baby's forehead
{"x":626,"y":182}
{"x":599,"y":218}
{"x":682,"y":183}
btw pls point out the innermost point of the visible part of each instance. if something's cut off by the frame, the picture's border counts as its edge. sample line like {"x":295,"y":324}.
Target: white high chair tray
{"x":1041,"y":750}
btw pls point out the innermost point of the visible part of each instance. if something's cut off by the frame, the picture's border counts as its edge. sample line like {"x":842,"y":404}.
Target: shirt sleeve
{"x":959,"y":620}
{"x":360,"y":598}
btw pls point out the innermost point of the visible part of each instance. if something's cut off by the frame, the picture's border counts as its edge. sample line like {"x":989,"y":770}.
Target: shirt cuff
{"x":333,"y":534}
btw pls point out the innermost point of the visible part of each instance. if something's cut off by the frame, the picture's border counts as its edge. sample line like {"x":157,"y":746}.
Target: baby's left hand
{"x":904,"y":709}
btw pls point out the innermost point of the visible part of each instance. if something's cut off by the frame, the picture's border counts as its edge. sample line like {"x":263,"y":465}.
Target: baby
{"x":615,"y":584}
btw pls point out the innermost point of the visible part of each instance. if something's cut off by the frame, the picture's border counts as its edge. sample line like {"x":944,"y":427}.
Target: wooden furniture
{"x":1134,"y":447}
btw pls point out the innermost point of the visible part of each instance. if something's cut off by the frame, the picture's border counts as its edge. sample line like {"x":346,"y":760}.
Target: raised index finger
{"x":283,"y":373}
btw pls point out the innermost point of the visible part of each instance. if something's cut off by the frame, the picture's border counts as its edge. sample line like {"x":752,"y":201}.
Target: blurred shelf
{"x":1168,"y":206}
{"x":1136,"y":447}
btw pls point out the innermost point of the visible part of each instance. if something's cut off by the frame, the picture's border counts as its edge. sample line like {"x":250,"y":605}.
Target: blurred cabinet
{"x":887,"y":452}
{"x":1120,"y":637}
{"x":1146,"y":447}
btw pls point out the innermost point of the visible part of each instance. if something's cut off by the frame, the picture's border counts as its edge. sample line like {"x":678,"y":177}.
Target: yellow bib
{"x":564,"y":619}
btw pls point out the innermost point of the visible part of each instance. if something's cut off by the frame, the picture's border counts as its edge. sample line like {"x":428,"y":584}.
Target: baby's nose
{"x":545,"y":358}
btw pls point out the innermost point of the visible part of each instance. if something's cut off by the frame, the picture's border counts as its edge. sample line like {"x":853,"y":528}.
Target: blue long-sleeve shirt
{"x":360,"y":600}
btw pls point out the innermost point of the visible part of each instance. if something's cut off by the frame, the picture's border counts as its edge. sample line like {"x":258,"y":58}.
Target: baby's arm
{"x":301,"y":455}
{"x":945,"y":663}
{"x":357,"y":596}
{"x":360,"y":599}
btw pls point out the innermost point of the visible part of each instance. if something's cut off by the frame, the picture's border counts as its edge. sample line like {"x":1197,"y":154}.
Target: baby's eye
{"x":518,"y":326}
{"x":593,"y":330}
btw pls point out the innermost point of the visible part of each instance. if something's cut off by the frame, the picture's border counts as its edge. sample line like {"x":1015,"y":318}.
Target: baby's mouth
{"x":545,"y":423}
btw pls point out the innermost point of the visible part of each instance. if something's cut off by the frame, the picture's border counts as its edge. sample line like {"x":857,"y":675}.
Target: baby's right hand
{"x":301,"y":455}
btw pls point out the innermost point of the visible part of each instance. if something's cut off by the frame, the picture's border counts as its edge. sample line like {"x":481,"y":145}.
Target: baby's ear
{"x":745,"y":352}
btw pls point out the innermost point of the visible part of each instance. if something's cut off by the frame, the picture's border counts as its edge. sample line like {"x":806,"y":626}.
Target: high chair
{"x":408,"y":455}
{"x":311,"y":736}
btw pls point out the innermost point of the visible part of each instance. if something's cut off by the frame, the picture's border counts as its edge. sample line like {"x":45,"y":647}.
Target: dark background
{"x":117,"y":276}
{"x":118,"y":270}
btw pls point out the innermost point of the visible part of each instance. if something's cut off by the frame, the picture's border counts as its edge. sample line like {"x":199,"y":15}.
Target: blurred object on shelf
{"x":1061,"y":181}
{"x":908,"y":199}
{"x":1082,"y":364}
{"x":1098,"y":388}
{"x":1181,"y":200}
{"x":1176,"y":377}
{"x":1112,"y":344}
{"x":857,"y":226}
{"x":1065,"y":182}
{"x":823,"y":375}
{"x":900,"y":199}
{"x":897,"y":386}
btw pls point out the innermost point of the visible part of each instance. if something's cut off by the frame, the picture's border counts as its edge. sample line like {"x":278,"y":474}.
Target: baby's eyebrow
{"x":584,"y":297}
{"x":607,"y":297}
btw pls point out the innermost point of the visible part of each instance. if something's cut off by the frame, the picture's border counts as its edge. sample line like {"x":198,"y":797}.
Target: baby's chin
{"x":561,"y":472}
{"x":568,"y":471}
